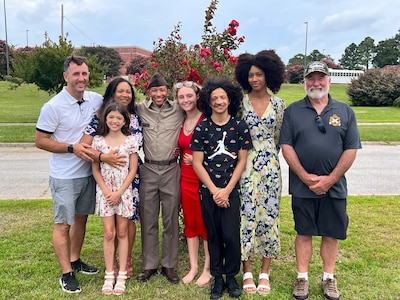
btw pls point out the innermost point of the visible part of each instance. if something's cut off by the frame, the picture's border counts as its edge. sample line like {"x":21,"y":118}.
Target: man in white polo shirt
{"x":58,"y":130}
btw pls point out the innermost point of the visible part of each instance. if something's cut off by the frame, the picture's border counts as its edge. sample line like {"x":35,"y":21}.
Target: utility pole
{"x":27,"y":40}
{"x":7,"y":54}
{"x":305,"y":50}
{"x":62,"y":21}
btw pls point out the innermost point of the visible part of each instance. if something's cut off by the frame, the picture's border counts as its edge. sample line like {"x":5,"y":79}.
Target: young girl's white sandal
{"x":119,"y":288}
{"x":108,"y":285}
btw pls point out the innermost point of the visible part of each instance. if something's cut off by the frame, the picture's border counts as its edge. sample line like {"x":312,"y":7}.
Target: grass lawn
{"x":368,"y":262}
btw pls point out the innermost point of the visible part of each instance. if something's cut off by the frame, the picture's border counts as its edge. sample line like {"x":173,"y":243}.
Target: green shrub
{"x":377,"y":87}
{"x":396,"y":102}
{"x":295,"y":73}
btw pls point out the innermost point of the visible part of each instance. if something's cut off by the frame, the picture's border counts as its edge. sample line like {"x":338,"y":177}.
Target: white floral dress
{"x":261,"y":182}
{"x":114,"y":177}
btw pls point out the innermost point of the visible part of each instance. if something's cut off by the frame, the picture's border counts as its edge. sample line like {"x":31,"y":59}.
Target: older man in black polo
{"x":319,"y":139}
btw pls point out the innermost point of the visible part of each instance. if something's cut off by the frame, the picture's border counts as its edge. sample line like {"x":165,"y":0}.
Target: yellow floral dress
{"x":261,"y":182}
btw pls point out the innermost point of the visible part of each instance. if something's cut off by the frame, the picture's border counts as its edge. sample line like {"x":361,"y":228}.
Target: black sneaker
{"x":233,"y":287}
{"x":80,"y":266}
{"x":218,"y":288}
{"x":69,"y":284}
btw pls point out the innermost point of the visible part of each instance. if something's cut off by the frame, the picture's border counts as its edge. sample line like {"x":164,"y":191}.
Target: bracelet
{"x":100,"y":157}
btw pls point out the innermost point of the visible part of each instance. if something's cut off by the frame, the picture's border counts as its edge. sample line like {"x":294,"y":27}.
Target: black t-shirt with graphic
{"x":221,"y":145}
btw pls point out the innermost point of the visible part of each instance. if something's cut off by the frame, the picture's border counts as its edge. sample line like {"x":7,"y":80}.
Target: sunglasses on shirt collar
{"x":320,"y":124}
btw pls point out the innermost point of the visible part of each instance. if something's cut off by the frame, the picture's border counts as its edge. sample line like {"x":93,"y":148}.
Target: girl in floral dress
{"x":261,"y":182}
{"x":114,"y":195}
{"x":121,"y":91}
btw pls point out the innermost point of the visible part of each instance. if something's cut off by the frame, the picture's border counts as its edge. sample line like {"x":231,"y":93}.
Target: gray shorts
{"x":72,"y":197}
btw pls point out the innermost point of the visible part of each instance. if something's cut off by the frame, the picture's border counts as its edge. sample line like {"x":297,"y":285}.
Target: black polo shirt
{"x":319,"y":144}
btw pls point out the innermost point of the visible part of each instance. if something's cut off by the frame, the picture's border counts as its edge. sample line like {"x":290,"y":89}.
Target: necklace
{"x":188,"y":129}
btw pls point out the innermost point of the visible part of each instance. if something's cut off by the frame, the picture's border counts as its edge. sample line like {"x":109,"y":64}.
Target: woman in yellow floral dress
{"x":261,"y":182}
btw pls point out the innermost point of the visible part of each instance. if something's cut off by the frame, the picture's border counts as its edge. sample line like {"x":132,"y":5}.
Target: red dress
{"x":190,"y":197}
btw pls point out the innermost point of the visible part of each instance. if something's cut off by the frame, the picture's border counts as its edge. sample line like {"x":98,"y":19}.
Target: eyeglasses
{"x":320,"y":124}
{"x":184,"y":83}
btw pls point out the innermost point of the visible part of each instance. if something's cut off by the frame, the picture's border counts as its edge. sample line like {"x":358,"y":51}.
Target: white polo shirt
{"x":66,"y":120}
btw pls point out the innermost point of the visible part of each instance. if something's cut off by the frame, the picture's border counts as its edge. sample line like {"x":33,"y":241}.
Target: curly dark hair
{"x":114,"y":106}
{"x":268,"y":61}
{"x":110,"y":92}
{"x":232,"y":90}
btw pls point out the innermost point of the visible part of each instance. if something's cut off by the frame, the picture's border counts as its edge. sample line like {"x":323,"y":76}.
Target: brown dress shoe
{"x":171,"y":274}
{"x":146,"y":274}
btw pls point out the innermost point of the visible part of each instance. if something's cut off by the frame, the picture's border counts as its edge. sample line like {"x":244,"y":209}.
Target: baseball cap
{"x":316,"y":66}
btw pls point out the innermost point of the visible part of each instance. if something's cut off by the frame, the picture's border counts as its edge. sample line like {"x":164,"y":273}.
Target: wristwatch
{"x":71,"y":148}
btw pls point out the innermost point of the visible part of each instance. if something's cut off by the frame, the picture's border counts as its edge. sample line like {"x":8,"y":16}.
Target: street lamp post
{"x":305,"y":49}
{"x":5,"y":27}
{"x":27,"y":41}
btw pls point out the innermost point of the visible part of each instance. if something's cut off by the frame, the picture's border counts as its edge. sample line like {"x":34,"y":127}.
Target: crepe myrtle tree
{"x":136,"y":65}
{"x":177,"y":61}
{"x":294,"y":73}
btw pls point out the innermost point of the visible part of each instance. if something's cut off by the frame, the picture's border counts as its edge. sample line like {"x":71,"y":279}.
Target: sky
{"x":287,"y":26}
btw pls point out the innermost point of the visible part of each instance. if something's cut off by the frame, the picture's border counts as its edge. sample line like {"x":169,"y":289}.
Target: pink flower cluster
{"x":174,"y":60}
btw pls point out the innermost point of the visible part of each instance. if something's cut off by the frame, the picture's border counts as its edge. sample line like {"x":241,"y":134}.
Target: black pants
{"x":223,"y":233}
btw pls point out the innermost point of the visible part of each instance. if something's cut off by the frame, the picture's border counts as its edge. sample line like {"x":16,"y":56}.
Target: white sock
{"x":302,"y":275}
{"x":326,"y":276}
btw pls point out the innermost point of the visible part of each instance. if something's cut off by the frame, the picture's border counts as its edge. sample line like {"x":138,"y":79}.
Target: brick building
{"x":129,"y":52}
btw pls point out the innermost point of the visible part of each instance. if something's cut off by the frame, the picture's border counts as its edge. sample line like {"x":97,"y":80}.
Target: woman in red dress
{"x":187,"y":93}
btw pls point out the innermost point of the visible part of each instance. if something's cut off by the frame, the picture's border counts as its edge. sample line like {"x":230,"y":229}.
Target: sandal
{"x":249,"y":288}
{"x":107,"y":288}
{"x":119,"y":288}
{"x":263,"y":289}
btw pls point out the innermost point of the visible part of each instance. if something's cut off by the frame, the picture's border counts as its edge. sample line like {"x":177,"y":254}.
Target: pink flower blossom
{"x":195,"y":76}
{"x":234,"y":23}
{"x":233,"y":59}
{"x":205,"y":52}
{"x":232,"y":30}
{"x":227,"y":52}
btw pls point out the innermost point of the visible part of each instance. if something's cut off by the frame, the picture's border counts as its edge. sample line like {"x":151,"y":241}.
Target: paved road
{"x":24,"y":172}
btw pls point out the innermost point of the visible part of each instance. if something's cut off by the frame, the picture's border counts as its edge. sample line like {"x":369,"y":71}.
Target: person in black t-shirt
{"x":220,"y":144}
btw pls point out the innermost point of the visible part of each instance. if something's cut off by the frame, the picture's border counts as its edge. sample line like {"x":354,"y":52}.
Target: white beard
{"x":316,"y":93}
